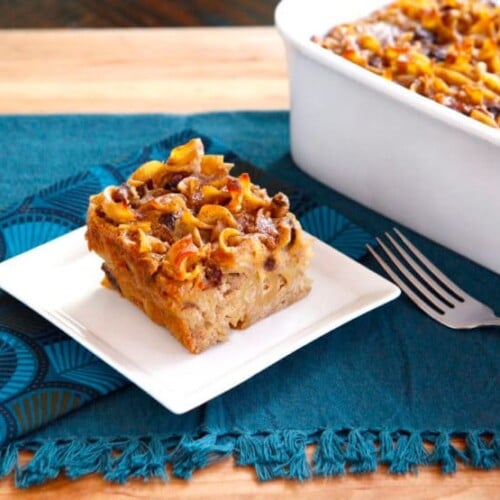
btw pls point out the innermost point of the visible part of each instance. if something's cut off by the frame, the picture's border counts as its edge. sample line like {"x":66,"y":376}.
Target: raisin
{"x":141,"y":190}
{"x":494,"y":110}
{"x":270,"y":263}
{"x":171,"y":184}
{"x":423,"y":34}
{"x":376,"y":62}
{"x":121,"y":193}
{"x":213,"y":274}
{"x":169,"y":220}
{"x":111,"y":277}
{"x":438,"y":54}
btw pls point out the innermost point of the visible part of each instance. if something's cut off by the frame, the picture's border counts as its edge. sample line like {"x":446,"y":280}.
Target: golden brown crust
{"x":447,"y":50}
{"x":198,"y":250}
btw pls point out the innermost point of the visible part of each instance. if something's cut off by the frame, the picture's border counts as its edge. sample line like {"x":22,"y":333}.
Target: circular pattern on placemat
{"x":333,"y":228}
{"x":3,"y":429}
{"x":24,"y":231}
{"x":68,"y":198}
{"x":18,"y":365}
{"x":39,"y":406}
{"x":8,"y":426}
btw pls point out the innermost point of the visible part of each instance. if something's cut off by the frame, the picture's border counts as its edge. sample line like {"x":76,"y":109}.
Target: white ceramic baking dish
{"x":401,"y":154}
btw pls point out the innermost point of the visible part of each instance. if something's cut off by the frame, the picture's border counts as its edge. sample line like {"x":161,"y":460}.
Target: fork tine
{"x":433,"y":299}
{"x":423,"y":275}
{"x":406,"y":289}
{"x":450,"y":284}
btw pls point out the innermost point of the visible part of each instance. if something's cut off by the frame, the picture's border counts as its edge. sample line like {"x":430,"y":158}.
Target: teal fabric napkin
{"x":390,"y":387}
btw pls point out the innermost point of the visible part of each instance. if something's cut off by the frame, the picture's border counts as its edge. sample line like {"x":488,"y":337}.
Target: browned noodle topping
{"x":447,"y":50}
{"x":188,"y":212}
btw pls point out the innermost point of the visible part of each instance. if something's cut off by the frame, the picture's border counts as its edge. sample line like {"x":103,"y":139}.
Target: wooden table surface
{"x":149,"y":69}
{"x":134,"y":13}
{"x":183,"y":70}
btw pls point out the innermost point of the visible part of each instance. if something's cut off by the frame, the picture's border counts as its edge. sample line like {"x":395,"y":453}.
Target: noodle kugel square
{"x":198,"y":250}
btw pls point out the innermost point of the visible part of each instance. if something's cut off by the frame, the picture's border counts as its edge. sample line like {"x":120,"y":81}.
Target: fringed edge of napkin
{"x":282,"y":454}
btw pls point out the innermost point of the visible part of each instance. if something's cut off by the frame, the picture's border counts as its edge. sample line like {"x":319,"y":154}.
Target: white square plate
{"x":61,"y":281}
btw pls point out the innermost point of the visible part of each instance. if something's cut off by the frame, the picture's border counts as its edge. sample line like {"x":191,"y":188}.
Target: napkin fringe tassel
{"x":274,"y":455}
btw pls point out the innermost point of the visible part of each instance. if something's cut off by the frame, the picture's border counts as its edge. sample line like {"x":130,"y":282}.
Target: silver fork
{"x":433,"y":292}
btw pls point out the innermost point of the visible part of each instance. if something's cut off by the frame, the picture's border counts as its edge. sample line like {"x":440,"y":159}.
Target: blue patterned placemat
{"x":390,"y":387}
{"x":45,"y":374}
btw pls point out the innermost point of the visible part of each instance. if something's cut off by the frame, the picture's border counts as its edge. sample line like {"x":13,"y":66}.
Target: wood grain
{"x":134,"y":13}
{"x":183,"y":70}
{"x":142,"y":70}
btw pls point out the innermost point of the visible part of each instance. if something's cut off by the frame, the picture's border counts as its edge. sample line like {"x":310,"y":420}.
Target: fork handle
{"x":495,"y":321}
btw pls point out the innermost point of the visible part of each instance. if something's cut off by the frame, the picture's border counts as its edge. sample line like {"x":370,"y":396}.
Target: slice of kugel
{"x":199,"y":250}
